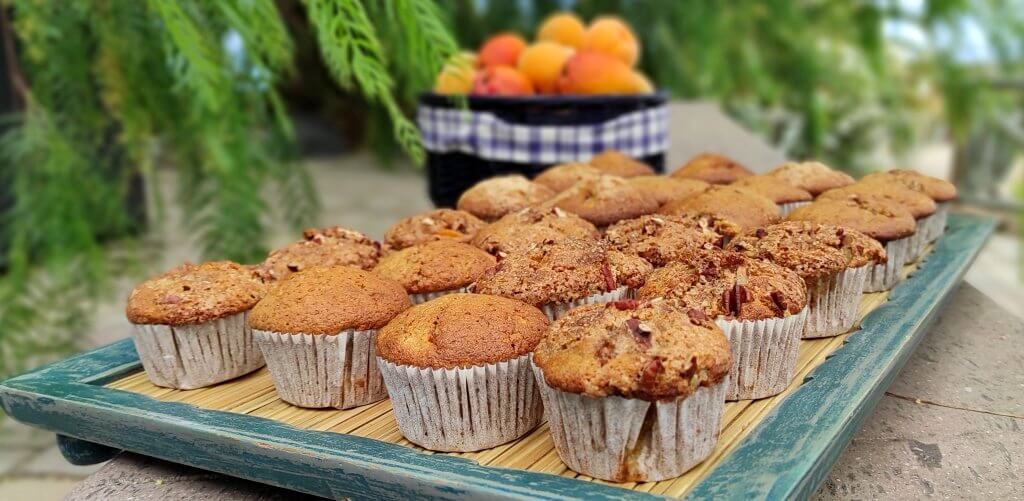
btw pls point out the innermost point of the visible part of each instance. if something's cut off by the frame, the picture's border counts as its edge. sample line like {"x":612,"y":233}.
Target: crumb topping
{"x":529,"y":227}
{"x":438,"y":224}
{"x":194,"y":294}
{"x":661,"y":239}
{"x":333,"y":246}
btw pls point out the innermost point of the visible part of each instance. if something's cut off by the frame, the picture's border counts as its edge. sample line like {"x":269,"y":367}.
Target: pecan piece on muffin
{"x":333,"y":246}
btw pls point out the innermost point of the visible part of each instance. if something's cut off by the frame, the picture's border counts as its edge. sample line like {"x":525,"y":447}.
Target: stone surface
{"x":698,"y":127}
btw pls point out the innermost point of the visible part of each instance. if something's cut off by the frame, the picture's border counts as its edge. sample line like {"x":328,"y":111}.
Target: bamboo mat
{"x":254,"y":395}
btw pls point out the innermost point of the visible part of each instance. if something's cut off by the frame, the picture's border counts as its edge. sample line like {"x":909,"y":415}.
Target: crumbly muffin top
{"x":645,"y":350}
{"x":604,"y":200}
{"x":728,"y":284}
{"x":774,"y":189}
{"x":618,"y":163}
{"x":661,"y":239}
{"x":917,"y":203}
{"x":492,"y":198}
{"x":562,"y":271}
{"x":739,"y":209}
{"x":462,"y":330}
{"x":939,"y":190}
{"x":533,"y":226}
{"x":193,"y":294}
{"x":328,"y":301}
{"x":333,"y":246}
{"x":869,"y":215}
{"x":664,"y":189}
{"x":811,"y":250}
{"x":713,"y":168}
{"x":814,"y":177}
{"x":438,"y":224}
{"x":560,"y":177}
{"x":435,"y":266}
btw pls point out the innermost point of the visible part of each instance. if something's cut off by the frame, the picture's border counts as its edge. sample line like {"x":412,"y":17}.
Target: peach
{"x":612,"y":35}
{"x":542,"y":63}
{"x":457,"y":75}
{"x":501,"y":50}
{"x":598,"y":73}
{"x":562,"y":27}
{"x":502,"y":81}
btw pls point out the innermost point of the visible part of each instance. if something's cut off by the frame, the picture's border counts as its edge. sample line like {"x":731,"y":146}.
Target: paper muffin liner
{"x":919,"y":240}
{"x":193,"y":356}
{"x":628,"y":439}
{"x":423,"y":297}
{"x":833,"y":302}
{"x":786,"y":208}
{"x":937,"y":222}
{"x":322,"y":371}
{"x":465,"y":409}
{"x":554,"y":311}
{"x":883,"y":277}
{"x":763,"y":354}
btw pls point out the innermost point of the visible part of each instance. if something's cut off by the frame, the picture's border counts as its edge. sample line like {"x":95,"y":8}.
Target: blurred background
{"x":139,"y":134}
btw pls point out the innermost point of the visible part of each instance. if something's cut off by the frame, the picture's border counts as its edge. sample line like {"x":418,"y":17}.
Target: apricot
{"x":501,"y":81}
{"x":457,"y":75}
{"x":501,"y":50}
{"x":612,"y":35}
{"x":643,"y":85}
{"x":542,"y":63}
{"x":598,"y":73}
{"x":564,"y":28}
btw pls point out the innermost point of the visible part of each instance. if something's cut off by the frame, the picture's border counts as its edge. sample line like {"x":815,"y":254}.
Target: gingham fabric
{"x":481,"y":133}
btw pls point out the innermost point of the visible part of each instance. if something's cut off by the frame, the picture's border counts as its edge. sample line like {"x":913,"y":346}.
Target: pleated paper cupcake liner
{"x":882,"y":277}
{"x":920,"y":239}
{"x":786,"y":208}
{"x":937,"y":225}
{"x":833,"y":303}
{"x":554,"y":311}
{"x":193,"y":356}
{"x":423,"y":297}
{"x":763,"y":354}
{"x":632,"y":440}
{"x":323,"y":371}
{"x":464,"y":409}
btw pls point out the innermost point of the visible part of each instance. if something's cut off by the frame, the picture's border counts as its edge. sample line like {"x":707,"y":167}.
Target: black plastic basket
{"x":452,"y":172}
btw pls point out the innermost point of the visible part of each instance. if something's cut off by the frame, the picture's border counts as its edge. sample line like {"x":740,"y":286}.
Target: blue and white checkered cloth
{"x":480,"y":133}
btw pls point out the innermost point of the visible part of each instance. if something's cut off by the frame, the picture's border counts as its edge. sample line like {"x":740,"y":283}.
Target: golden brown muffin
{"x":533,"y":226}
{"x":604,"y":200}
{"x":876,"y":220}
{"x":661,"y":239}
{"x":435,"y":266}
{"x":893,"y":194}
{"x":492,"y":198}
{"x":665,"y":189}
{"x":328,"y":301}
{"x":333,"y":246}
{"x":618,"y":163}
{"x":560,"y":177}
{"x":645,"y":350}
{"x":939,"y":190}
{"x":462,"y":330}
{"x":739,"y":210}
{"x":712,"y":168}
{"x":193,"y":294}
{"x":774,"y":189}
{"x":728,"y":284}
{"x":815,"y":177}
{"x":438,"y":224}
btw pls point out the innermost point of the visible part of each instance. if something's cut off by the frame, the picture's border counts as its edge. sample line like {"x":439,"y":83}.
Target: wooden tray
{"x":778,"y":447}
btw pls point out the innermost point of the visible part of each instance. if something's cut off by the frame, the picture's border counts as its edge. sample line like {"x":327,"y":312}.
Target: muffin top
{"x":333,"y":246}
{"x":328,"y":301}
{"x":533,"y":226}
{"x":713,"y":168}
{"x":664,"y":189}
{"x":774,"y":189}
{"x":618,"y":163}
{"x":560,"y":177}
{"x":878,"y":220}
{"x":438,"y":224}
{"x":811,"y":250}
{"x":918,"y":204}
{"x":193,"y":294}
{"x":604,"y":200}
{"x":645,"y":350}
{"x":739,"y":209}
{"x":728,"y":284}
{"x":492,"y":198}
{"x":462,"y":330}
{"x":815,"y":177}
{"x":562,"y":271}
{"x":939,"y":190}
{"x":661,"y":239}
{"x":435,"y":266}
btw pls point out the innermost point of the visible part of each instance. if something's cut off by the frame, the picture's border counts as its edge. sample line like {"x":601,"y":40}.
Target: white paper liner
{"x":464,"y":409}
{"x":786,"y":208}
{"x":554,"y":311}
{"x":628,"y":439}
{"x":937,"y":225}
{"x":193,"y":356}
{"x":763,"y":354}
{"x":882,"y":277}
{"x":322,"y":371}
{"x":919,"y":240}
{"x":423,"y":297}
{"x":833,"y":303}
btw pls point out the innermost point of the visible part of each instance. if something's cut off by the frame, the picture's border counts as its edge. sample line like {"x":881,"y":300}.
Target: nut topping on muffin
{"x":529,"y":227}
{"x":193,"y":294}
{"x":333,"y":246}
{"x":661,"y":239}
{"x":438,"y":224}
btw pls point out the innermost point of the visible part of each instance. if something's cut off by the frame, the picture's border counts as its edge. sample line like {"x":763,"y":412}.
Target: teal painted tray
{"x":784,"y":453}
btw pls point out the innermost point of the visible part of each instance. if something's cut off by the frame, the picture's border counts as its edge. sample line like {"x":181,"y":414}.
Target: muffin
{"x":433,"y":269}
{"x":667,"y":189}
{"x":333,"y":246}
{"x":739,"y":210}
{"x":941,"y":191}
{"x":618,"y":163}
{"x":492,"y":198}
{"x":533,"y":226}
{"x":633,"y":391}
{"x":458,"y":371}
{"x":662,"y":239}
{"x":814,"y":177}
{"x":785,"y":195}
{"x":438,"y":224}
{"x":761,"y":307}
{"x":712,"y":168}
{"x":893,"y":227}
{"x":560,"y":177}
{"x":832,"y":261}
{"x":317,"y":329}
{"x":559,"y":276}
{"x":604,"y":200}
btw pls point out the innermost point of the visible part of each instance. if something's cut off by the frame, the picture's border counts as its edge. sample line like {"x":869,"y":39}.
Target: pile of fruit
{"x":568,"y":57}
